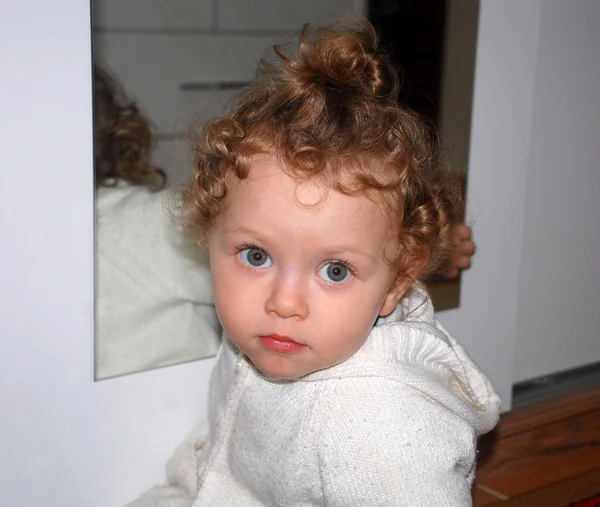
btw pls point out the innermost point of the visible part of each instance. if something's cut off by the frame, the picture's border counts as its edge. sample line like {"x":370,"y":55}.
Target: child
{"x":334,"y":385}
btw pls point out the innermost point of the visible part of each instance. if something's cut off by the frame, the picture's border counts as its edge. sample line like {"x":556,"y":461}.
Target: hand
{"x":462,"y":251}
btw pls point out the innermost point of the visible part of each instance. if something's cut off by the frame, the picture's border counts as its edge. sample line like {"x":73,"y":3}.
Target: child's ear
{"x":392,"y":298}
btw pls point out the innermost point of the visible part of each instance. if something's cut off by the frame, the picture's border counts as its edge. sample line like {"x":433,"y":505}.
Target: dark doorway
{"x":414,"y":33}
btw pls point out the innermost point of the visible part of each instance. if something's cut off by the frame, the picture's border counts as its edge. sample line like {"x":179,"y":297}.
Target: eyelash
{"x":342,"y":262}
{"x":246,"y":246}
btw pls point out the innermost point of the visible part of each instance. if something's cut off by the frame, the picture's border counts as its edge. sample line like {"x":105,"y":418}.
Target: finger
{"x":467,"y":248}
{"x":463,"y":232}
{"x":463,"y":262}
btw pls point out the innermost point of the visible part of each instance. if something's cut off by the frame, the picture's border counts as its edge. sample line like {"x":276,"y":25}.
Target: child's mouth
{"x":278,"y":343}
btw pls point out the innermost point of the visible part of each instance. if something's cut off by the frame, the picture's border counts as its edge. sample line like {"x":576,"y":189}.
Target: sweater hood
{"x":419,"y":352}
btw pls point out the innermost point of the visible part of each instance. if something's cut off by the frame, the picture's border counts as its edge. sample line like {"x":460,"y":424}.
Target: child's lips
{"x":278,"y":343}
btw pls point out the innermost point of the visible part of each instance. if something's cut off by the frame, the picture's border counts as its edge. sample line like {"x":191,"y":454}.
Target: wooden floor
{"x":543,"y":455}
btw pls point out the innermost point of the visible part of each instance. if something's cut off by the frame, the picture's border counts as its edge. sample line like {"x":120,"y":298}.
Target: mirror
{"x":167,"y":66}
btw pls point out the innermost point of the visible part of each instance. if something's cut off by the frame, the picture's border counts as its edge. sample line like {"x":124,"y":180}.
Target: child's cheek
{"x":231,"y":291}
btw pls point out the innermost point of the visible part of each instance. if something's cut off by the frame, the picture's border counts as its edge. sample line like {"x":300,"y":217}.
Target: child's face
{"x":298,"y":288}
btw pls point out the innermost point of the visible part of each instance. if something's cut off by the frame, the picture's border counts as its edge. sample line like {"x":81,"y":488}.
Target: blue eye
{"x":335,"y":272}
{"x":255,"y":257}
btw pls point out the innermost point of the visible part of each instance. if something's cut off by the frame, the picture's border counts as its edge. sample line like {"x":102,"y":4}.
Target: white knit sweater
{"x":395,"y":425}
{"x":154,"y":293}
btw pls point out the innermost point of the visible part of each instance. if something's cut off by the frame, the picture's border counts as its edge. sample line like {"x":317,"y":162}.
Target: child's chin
{"x":280,"y":369}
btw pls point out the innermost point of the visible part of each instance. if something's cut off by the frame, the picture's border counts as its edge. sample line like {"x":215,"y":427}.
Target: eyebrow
{"x":240,"y":229}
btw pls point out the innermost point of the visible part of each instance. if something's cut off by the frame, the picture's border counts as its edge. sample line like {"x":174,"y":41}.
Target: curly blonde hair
{"x":326,"y":105}
{"x":122,"y":138}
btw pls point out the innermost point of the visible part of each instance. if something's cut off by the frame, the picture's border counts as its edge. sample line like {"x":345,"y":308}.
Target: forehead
{"x":271,"y":196}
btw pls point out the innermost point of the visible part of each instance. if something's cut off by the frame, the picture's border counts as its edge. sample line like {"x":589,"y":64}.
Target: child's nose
{"x":288,"y":299}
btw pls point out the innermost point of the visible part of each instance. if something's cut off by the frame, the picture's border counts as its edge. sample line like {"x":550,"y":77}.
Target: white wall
{"x":531,"y":299}
{"x":558,"y":325}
